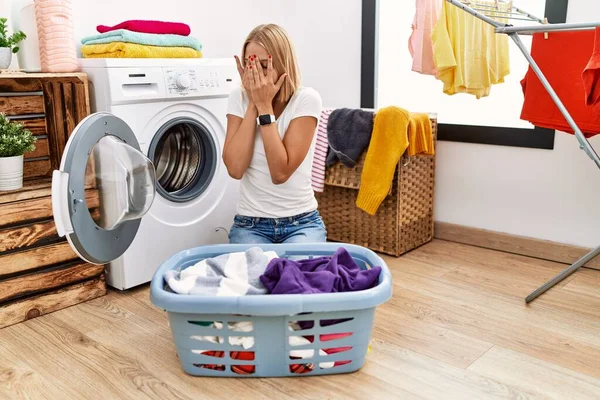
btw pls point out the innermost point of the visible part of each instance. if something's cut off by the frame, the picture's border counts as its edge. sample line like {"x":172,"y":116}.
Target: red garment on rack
{"x":591,"y":76}
{"x":562,"y":58}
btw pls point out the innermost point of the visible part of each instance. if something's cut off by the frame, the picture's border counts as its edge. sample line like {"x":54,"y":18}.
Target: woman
{"x":271,"y":122}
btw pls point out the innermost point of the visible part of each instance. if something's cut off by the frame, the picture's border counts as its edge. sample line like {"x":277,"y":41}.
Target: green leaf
{"x":15,"y":140}
{"x":12,"y":40}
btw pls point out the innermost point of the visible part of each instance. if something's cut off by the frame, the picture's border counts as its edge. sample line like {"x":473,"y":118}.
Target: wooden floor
{"x":456,"y":327}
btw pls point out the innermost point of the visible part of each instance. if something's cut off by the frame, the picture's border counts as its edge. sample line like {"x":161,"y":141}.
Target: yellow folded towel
{"x":420,"y":135}
{"x":134,"y":50}
{"x":389,"y":141}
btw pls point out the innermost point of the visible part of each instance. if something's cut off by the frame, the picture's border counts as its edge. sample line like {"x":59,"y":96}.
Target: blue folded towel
{"x":149,"y":39}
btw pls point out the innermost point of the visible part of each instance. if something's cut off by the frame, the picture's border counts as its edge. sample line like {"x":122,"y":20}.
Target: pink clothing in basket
{"x":321,"y":147}
{"x":419,"y":43}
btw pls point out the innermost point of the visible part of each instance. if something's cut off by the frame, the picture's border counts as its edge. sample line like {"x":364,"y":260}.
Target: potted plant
{"x":15,"y":141}
{"x":8,"y":44}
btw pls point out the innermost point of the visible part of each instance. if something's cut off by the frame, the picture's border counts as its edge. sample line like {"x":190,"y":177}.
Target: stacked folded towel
{"x":142,"y":39}
{"x":144,"y":26}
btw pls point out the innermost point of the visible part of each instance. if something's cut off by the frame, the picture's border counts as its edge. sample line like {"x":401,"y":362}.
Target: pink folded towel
{"x":320,"y":154}
{"x":144,"y":26}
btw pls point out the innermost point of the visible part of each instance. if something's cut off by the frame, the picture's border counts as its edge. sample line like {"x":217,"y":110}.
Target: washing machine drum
{"x":185,"y":156}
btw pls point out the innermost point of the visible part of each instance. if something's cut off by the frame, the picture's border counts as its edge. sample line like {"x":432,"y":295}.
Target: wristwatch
{"x":266,"y":119}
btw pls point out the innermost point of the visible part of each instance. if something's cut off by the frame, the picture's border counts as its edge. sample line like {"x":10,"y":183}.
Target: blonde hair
{"x":276,"y":41}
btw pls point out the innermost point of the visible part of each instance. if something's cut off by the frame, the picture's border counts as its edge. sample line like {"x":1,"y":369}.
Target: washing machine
{"x":162,"y":130}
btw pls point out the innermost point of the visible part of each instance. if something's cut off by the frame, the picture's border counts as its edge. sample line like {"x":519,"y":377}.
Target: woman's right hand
{"x":243,"y":74}
{"x":240,"y":68}
{"x":241,"y":133}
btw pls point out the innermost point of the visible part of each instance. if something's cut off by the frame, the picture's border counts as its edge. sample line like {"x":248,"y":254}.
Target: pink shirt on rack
{"x":419,"y":43}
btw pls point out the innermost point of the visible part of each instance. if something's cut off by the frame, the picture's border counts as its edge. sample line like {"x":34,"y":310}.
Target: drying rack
{"x":488,"y":12}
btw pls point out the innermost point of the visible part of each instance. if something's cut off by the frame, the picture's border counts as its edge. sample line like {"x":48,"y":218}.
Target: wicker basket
{"x":404,"y":219}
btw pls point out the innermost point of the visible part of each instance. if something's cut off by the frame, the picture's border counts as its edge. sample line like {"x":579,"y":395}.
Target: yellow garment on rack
{"x":469,"y":56}
{"x":134,"y":50}
{"x":420,"y":135}
{"x":389,"y":140}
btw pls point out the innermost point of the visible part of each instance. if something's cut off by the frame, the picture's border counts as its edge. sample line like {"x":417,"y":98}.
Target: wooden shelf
{"x":32,"y":189}
{"x":50,"y":106}
{"x":41,"y":75}
{"x":39,"y":272}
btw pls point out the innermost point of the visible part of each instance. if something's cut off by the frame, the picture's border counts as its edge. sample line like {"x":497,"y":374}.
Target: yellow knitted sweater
{"x":420,"y":135}
{"x":389,"y":141}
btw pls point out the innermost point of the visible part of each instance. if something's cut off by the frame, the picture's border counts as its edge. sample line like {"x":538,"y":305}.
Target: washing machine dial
{"x":183,"y":81}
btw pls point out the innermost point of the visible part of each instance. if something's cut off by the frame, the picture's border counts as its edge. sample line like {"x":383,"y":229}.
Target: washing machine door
{"x":104,"y":186}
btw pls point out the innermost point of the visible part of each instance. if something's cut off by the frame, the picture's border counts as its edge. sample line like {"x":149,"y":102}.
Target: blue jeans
{"x":303,"y":228}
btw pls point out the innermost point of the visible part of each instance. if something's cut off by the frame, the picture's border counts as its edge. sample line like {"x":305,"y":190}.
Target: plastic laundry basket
{"x":336,"y":327}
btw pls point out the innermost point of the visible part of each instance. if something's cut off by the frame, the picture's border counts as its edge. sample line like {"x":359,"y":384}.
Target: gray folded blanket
{"x":232,"y":274}
{"x":348,"y":133}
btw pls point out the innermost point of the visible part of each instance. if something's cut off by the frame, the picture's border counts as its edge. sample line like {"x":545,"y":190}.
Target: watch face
{"x":264,"y":119}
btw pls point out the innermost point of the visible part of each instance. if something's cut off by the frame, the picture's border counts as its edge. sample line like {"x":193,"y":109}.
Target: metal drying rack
{"x":488,"y":12}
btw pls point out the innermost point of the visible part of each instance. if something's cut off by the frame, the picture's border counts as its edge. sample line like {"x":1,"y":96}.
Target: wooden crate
{"x":50,"y":105}
{"x":39,"y":272}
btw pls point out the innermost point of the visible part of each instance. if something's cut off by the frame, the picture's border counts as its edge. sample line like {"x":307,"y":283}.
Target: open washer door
{"x":104,"y":187}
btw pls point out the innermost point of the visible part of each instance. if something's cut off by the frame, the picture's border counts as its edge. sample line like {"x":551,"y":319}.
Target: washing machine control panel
{"x":182,"y":82}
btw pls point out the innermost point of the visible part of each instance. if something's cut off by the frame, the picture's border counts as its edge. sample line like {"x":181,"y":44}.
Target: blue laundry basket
{"x":337,"y":327}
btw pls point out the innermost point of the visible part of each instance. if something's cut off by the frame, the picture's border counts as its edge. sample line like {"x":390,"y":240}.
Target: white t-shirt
{"x":259,"y":196}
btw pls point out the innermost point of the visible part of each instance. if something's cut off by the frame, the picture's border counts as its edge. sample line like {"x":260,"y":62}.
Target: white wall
{"x":327,"y":45}
{"x":552,"y":195}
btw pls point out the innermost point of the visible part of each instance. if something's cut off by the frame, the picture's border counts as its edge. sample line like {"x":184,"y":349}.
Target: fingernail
{"x":250,"y":67}
{"x":269,"y":56}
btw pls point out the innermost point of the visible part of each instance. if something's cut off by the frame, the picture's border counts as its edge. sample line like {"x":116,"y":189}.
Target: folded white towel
{"x":233,"y":274}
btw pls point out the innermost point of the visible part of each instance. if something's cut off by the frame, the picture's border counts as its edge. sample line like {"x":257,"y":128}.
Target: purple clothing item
{"x":338,"y":273}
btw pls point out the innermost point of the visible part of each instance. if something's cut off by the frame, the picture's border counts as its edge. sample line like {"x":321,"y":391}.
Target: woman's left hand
{"x":263,"y":87}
